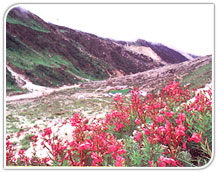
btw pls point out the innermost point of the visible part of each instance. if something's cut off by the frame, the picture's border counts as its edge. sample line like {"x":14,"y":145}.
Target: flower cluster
{"x":154,"y":132}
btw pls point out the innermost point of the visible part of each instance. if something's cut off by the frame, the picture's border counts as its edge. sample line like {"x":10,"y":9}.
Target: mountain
{"x":158,"y":51}
{"x":196,"y":73}
{"x":52,"y":55}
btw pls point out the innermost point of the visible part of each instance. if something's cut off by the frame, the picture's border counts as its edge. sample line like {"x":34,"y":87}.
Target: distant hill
{"x":52,"y":55}
{"x":196,"y":73}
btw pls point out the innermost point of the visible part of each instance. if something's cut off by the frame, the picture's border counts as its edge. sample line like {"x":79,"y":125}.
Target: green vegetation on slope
{"x":46,"y":58}
{"x":10,"y":83}
{"x":122,"y":91}
{"x":55,"y":68}
{"x":28,"y":23}
{"x":11,"y":86}
{"x":51,"y":55}
{"x":199,"y":77}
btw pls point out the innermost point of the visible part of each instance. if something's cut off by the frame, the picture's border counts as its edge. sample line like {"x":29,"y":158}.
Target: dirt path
{"x":34,"y":90}
{"x":38,"y":93}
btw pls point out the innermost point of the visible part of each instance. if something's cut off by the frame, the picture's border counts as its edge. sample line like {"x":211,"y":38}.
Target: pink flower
{"x":84,"y":146}
{"x":21,"y":152}
{"x":147,"y":132}
{"x":47,"y":131}
{"x":178,"y":121}
{"x":137,"y":121}
{"x":180,"y":130}
{"x":8,"y":143}
{"x":138,"y":136}
{"x":156,"y":105}
{"x":168,"y":126}
{"x":150,"y":163}
{"x":121,"y":151}
{"x":169,"y":114}
{"x":75,"y":120}
{"x":161,"y":130}
{"x":200,"y":108}
{"x":96,"y":159}
{"x":182,"y":116}
{"x":162,"y":164}
{"x":208,"y":103}
{"x":119,"y":161}
{"x":160,"y":119}
{"x":164,"y":104}
{"x":117,"y":98}
{"x":112,"y":148}
{"x":163,"y":161}
{"x":150,"y":140}
{"x":34,"y":138}
{"x":183,"y":145}
{"x":120,"y":125}
{"x":195,"y":137}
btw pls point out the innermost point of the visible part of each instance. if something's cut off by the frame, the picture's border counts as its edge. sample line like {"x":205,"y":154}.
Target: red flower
{"x":164,"y":104}
{"x":200,"y":108}
{"x":121,"y":151}
{"x":137,"y":121}
{"x":150,"y":163}
{"x":47,"y":131}
{"x":21,"y":152}
{"x":96,"y":159}
{"x":138,"y":136}
{"x":156,"y":105}
{"x":181,"y":116}
{"x":119,"y":161}
{"x":34,"y":138}
{"x":208,"y":103}
{"x":183,"y":145}
{"x":75,"y":120}
{"x":164,"y":161}
{"x":84,"y":146}
{"x":160,"y":119}
{"x":112,"y":148}
{"x":161,"y":130}
{"x":169,"y":114}
{"x":195,"y":137}
{"x":147,"y":132}
{"x":118,"y":98}
{"x":168,"y":126}
{"x":180,"y":130}
{"x":119,"y":126}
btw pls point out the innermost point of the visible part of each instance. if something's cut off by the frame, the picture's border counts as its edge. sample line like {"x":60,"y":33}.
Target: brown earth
{"x":155,"y":78}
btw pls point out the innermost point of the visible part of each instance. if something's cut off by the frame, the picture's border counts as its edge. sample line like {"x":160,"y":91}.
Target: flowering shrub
{"x":167,"y":130}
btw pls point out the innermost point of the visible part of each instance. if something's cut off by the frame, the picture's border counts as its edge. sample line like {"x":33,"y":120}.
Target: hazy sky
{"x":187,"y":27}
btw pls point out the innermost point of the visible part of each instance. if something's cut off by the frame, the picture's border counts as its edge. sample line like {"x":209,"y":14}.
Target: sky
{"x":187,"y":27}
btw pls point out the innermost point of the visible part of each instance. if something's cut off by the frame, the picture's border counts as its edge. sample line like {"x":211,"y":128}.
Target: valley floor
{"x":53,"y":107}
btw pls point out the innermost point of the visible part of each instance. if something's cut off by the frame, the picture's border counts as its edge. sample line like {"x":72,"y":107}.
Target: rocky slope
{"x":157,"y":51}
{"x":196,"y":72}
{"x":51,"y":55}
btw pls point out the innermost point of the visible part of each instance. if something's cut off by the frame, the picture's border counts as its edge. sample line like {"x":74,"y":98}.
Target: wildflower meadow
{"x":172,"y":129}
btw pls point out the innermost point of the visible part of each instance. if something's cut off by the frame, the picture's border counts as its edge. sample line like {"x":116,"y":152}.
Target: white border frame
{"x":105,"y":168}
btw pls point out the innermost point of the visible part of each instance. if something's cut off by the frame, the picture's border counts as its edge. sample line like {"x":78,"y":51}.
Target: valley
{"x":92,"y":99}
{"x":54,"y":72}
{"x":50,"y":55}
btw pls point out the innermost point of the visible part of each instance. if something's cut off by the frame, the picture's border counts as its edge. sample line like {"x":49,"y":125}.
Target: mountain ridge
{"x":52,"y":55}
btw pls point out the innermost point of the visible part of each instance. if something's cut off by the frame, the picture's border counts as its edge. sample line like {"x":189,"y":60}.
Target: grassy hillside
{"x":199,"y":77}
{"x":45,"y":57}
{"x":52,"y":55}
{"x":11,"y":83}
